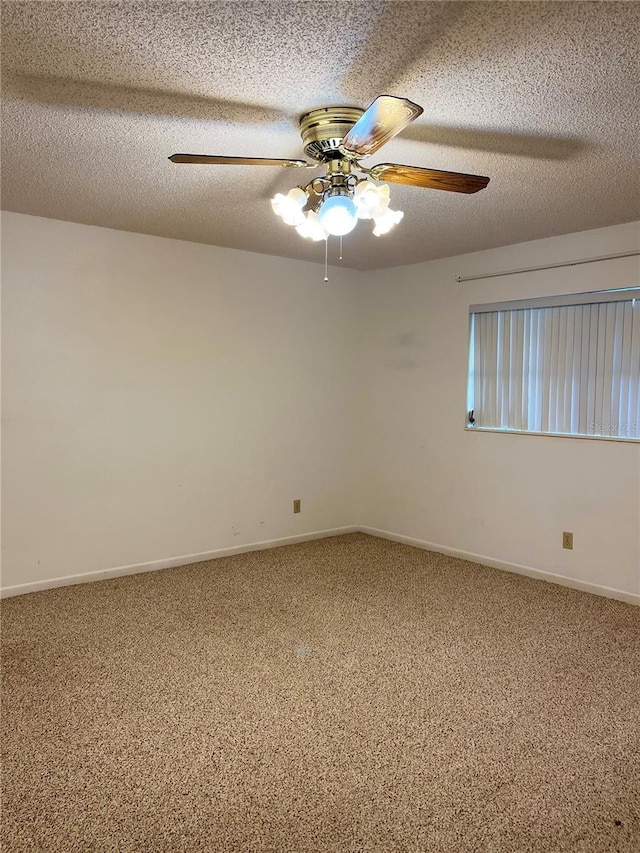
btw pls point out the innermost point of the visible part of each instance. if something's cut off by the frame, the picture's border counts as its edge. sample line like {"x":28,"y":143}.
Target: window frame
{"x":617,"y":294}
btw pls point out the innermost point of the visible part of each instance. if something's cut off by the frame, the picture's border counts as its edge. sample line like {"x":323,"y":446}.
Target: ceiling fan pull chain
{"x":326,"y":259}
{"x":341,"y":247}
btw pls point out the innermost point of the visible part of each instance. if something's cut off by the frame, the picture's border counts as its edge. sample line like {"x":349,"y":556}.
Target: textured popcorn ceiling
{"x":542,"y":97}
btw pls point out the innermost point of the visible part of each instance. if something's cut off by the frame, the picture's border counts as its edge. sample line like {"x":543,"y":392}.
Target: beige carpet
{"x":349,"y":694}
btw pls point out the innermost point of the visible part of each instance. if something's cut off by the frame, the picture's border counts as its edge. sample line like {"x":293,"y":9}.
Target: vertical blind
{"x":565,"y":369}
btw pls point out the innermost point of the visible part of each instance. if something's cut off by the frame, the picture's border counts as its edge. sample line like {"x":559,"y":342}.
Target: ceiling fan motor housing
{"x":324,"y":129}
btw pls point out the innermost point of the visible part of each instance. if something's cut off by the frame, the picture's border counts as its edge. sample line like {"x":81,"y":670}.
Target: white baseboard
{"x":170,"y":563}
{"x":583,"y":586}
{"x":187,"y":559}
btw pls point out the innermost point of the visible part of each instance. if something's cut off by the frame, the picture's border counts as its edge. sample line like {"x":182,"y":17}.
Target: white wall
{"x":501,"y":496}
{"x":164,"y":398}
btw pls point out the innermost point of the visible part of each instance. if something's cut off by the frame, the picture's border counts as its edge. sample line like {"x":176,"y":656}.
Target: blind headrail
{"x":576,"y":263}
{"x":620,"y":294}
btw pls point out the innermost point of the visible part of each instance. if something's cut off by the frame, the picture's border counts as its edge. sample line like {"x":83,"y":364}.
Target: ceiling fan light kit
{"x":337,"y":138}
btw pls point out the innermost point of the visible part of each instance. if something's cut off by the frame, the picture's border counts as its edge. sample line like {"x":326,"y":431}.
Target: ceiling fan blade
{"x":380,"y":122}
{"x":213,"y":159}
{"x":433,"y":179}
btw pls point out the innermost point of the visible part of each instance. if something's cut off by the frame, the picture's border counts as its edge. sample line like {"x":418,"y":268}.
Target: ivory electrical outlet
{"x":567,"y":540}
{"x":296,"y":505}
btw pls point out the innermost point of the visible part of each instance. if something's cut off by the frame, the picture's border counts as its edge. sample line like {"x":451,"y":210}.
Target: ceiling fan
{"x":337,"y":138}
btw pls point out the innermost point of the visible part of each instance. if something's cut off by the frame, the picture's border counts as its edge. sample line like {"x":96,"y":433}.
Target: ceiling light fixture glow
{"x":312,"y":228}
{"x":289,"y":207}
{"x":339,"y":204}
{"x":386,"y":221}
{"x":370,"y":200}
{"x":338,"y":215}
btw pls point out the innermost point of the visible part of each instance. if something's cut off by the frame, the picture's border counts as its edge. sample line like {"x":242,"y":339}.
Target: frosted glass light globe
{"x":312,"y":228}
{"x":386,"y":221}
{"x":338,"y":215}
{"x":371,"y":200}
{"x":289,"y":207}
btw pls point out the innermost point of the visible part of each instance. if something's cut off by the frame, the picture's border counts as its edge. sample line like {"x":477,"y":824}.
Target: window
{"x":565,"y":365}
